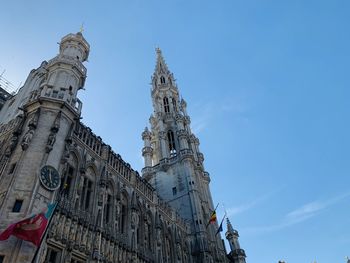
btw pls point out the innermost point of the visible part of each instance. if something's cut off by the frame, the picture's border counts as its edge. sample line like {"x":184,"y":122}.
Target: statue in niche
{"x":167,"y":244}
{"x":88,"y":240}
{"x":84,"y":236}
{"x":134,"y":219}
{"x":60,"y":226}
{"x":111,"y":252}
{"x":78,"y":235}
{"x":50,"y":141}
{"x":159,"y":236}
{"x":66,"y":229}
{"x":27,"y":138}
{"x":178,"y":251}
{"x":34,"y":120}
{"x":34,"y":95}
{"x":56,"y":125}
{"x":100,"y":198}
{"x":11,"y":146}
{"x":53,"y":226}
{"x":68,"y":258}
{"x":72,"y":231}
{"x":146,"y":235}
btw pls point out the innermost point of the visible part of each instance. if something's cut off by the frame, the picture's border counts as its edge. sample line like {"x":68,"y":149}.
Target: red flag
{"x":30,"y":229}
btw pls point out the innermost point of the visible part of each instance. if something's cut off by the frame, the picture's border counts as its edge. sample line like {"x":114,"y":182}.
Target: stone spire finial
{"x":229,"y":226}
{"x":161,"y":66}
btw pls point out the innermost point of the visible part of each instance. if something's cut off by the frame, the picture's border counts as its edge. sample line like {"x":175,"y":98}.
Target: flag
{"x":212,"y":218}
{"x":30,"y":229}
{"x":219,"y":229}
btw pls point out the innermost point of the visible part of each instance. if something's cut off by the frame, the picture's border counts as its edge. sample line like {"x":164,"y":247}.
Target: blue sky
{"x":267,"y":85}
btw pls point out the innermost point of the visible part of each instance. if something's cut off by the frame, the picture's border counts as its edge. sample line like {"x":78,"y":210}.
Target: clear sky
{"x":267,"y":85}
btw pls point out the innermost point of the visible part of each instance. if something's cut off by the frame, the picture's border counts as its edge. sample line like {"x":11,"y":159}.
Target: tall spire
{"x":162,"y":77}
{"x":174,"y":164}
{"x":161,"y":66}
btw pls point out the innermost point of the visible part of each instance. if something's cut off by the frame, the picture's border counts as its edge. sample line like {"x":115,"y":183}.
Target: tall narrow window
{"x":66,"y":181}
{"x":52,"y":256}
{"x":162,"y":80}
{"x":17,"y":206}
{"x":124,"y":213}
{"x":108,"y":208}
{"x":86,"y":193}
{"x":166,"y":104}
{"x":174,"y":103}
{"x":123,"y":218}
{"x":171,"y":141}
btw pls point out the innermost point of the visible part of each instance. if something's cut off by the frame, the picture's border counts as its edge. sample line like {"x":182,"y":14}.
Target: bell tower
{"x":174,"y":164}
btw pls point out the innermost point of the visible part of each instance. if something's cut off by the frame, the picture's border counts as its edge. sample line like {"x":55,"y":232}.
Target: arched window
{"x":123,"y":213}
{"x":162,"y":80}
{"x":166,"y":104}
{"x":87,"y":189}
{"x":171,"y":141}
{"x":174,"y":103}
{"x":148,"y":232}
{"x":108,"y":206}
{"x":69,"y":175}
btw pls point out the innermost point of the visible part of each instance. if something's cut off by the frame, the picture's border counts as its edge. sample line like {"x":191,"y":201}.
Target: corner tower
{"x":35,"y":138}
{"x":174,"y":164}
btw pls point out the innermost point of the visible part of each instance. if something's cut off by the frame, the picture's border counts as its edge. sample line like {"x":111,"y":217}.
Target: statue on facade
{"x":134,"y":219}
{"x":27,"y":138}
{"x":50,"y":141}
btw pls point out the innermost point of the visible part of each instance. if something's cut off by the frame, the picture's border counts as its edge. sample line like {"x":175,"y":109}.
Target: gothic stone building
{"x":106,"y":211}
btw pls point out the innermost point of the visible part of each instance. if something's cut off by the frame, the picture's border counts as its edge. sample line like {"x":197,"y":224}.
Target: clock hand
{"x":50,"y":176}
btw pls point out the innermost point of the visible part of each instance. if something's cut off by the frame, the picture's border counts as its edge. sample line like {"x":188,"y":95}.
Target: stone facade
{"x":106,"y":211}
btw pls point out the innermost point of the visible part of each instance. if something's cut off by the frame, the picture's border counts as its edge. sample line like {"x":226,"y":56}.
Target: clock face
{"x":49,"y":177}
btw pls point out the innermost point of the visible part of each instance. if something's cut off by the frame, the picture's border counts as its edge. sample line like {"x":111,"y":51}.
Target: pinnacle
{"x":161,"y":66}
{"x":229,"y":226}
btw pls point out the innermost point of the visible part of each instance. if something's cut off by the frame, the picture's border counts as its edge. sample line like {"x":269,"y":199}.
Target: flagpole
{"x":216,"y":207}
{"x":48,"y":223}
{"x":44,"y":235}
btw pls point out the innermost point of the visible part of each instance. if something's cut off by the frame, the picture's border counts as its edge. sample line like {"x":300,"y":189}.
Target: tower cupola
{"x":75,"y":46}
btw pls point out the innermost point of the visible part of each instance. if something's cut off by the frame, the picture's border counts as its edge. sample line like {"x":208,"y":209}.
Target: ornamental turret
{"x":66,"y":72}
{"x":237,"y":255}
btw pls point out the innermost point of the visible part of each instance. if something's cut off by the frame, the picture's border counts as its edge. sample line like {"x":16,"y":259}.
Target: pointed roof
{"x":229,"y":226}
{"x":161,"y":66}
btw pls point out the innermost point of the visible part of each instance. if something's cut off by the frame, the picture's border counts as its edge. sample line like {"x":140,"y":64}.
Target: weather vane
{"x":82,"y":28}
